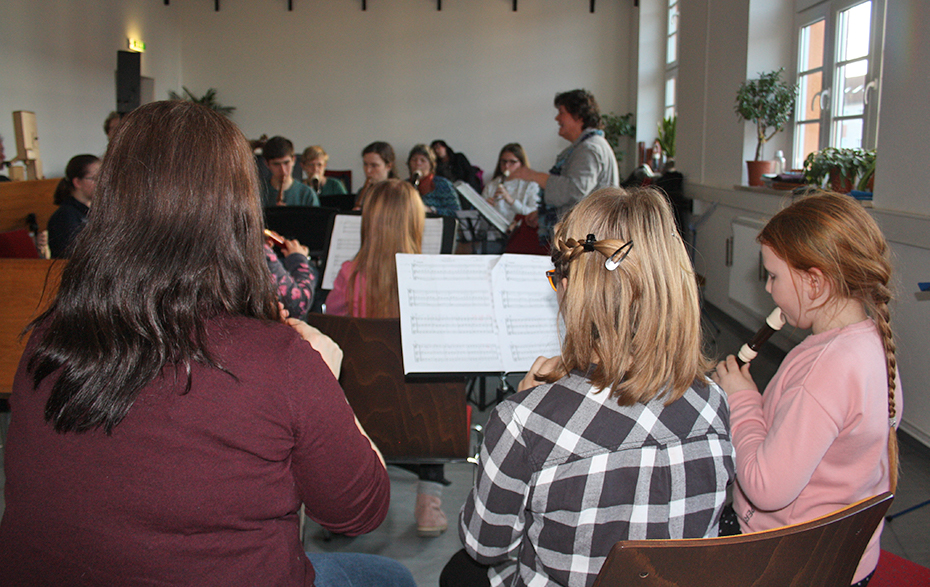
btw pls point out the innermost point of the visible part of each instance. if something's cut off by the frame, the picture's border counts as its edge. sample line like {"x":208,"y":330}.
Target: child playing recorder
{"x":823,"y":434}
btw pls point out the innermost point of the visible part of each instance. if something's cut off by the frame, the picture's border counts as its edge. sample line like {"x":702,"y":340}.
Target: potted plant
{"x":615,"y":128}
{"x":840,"y":166}
{"x":768,"y":103}
{"x":667,"y":140}
{"x":209,"y":100}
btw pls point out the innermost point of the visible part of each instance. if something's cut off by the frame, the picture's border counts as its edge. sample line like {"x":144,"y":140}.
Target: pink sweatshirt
{"x":337,"y":303}
{"x":817,"y":440}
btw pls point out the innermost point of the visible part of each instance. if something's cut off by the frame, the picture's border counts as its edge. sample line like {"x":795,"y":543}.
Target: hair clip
{"x":588,"y":243}
{"x":619,"y":255}
{"x":891,"y":421}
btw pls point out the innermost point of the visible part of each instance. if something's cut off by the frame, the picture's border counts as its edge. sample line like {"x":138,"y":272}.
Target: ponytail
{"x":76,"y":169}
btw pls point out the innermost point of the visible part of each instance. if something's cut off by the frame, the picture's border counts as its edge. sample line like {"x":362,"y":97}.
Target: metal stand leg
{"x":908,"y":510}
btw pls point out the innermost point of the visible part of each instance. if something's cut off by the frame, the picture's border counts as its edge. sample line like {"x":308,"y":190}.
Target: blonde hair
{"x":639,"y":323}
{"x":392,"y":222}
{"x":833,"y":233}
{"x":314,"y":152}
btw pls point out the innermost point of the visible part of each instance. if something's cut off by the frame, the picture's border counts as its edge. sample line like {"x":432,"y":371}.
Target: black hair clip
{"x":588,"y":243}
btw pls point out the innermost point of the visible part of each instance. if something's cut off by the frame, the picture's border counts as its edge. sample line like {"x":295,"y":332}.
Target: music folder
{"x":475,"y":313}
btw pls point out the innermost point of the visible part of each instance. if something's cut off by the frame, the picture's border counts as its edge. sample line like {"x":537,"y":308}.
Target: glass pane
{"x":847,"y":134}
{"x":810,"y":54}
{"x":810,"y":86}
{"x":853,"y":32}
{"x":672,"y":18}
{"x":671,"y":50}
{"x":806,"y":141}
{"x":850,"y":85}
{"x":669,"y":111}
{"x":669,"y":94}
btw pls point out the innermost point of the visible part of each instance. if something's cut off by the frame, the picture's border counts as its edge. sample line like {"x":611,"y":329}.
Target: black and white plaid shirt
{"x":565,"y":473}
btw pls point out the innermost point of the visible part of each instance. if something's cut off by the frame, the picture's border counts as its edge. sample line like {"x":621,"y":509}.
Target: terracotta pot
{"x":757,"y":169}
{"x":840,"y":184}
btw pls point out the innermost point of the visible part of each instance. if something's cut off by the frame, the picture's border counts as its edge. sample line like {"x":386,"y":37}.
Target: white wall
{"x":711,"y":149}
{"x":59,"y":61}
{"x":475,"y":74}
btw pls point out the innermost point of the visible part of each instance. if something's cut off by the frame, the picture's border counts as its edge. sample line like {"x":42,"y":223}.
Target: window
{"x":839,"y":58}
{"x":671,"y":58}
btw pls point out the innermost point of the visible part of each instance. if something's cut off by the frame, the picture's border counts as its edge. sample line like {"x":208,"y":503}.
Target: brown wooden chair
{"x":412,"y":421}
{"x":24,"y":294}
{"x":823,"y":552}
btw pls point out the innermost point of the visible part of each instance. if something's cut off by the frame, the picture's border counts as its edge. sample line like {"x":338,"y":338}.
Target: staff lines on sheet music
{"x":420,"y":324}
{"x":422,"y":298}
{"x":523,"y":299}
{"x":461,"y":352}
{"x":524,"y":326}
{"x":529,"y":352}
{"x":519,"y":273}
{"x":429,"y":272}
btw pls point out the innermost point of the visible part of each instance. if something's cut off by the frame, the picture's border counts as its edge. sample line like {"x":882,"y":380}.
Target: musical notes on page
{"x":475,"y":313}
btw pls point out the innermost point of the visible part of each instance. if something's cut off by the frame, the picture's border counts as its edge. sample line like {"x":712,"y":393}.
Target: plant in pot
{"x":840,"y":166}
{"x":667,"y":140}
{"x":615,"y":128}
{"x":768,"y":103}
{"x":209,"y":100}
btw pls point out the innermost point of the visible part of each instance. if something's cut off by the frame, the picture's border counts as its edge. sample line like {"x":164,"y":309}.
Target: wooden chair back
{"x":27,"y":287}
{"x":18,"y":199}
{"x":823,"y":552}
{"x":415,"y":421}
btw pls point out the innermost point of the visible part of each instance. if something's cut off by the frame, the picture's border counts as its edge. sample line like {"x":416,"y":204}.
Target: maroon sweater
{"x":198,"y":489}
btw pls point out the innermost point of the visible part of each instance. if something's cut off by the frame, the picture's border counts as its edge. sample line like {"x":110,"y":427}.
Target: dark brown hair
{"x":76,"y":169}
{"x":174,"y":240}
{"x":582,"y":105}
{"x":386,"y":152}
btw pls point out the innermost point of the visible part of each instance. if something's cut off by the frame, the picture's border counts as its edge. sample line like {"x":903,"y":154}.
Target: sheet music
{"x":482,"y":206}
{"x":475,"y":313}
{"x":347,"y":239}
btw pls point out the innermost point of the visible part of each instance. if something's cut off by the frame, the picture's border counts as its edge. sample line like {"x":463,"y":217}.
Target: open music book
{"x":475,"y":313}
{"x":347,"y":238}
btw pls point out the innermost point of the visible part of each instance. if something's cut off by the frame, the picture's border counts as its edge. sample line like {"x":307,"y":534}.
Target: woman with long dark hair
{"x":73,"y":196}
{"x":165,"y":422}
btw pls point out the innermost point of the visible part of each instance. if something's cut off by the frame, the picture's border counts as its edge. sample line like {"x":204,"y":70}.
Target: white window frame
{"x":829,"y":11}
{"x":670,"y":107}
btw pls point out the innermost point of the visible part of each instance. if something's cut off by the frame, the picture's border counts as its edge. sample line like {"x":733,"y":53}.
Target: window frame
{"x":829,"y":11}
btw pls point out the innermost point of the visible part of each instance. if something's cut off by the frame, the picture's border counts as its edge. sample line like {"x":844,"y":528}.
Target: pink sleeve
{"x":775,"y":460}
{"x":336,"y":302}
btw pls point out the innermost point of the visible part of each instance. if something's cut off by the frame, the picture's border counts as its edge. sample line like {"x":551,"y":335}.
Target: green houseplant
{"x":667,"y":128}
{"x":208,"y":99}
{"x":841,"y":166}
{"x":766,"y":102}
{"x":615,"y":128}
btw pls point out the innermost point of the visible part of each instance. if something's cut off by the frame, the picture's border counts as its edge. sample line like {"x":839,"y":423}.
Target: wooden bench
{"x":27,"y":287}
{"x":18,"y":199}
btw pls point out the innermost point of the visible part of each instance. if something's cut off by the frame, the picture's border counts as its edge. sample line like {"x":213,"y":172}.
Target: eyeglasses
{"x":550,"y":275}
{"x":509,"y":161}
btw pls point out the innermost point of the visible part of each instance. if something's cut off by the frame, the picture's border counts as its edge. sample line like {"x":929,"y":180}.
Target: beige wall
{"x":475,"y":74}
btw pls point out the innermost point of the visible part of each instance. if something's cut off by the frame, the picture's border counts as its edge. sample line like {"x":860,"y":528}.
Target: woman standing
{"x":164,"y":420}
{"x":73,"y":197}
{"x":586,"y":165}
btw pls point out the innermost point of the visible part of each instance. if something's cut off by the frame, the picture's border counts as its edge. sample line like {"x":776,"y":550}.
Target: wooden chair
{"x":420,"y":421}
{"x":18,"y":199}
{"x":823,"y":552}
{"x":27,"y":287}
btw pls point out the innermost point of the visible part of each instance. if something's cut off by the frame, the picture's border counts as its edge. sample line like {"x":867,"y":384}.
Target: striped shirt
{"x":566,"y":472}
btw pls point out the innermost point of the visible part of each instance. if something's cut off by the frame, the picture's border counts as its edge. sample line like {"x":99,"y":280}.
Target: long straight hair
{"x":833,"y":233}
{"x":392,"y":222}
{"x":639,"y":324}
{"x":175,"y":238}
{"x":514,"y":149}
